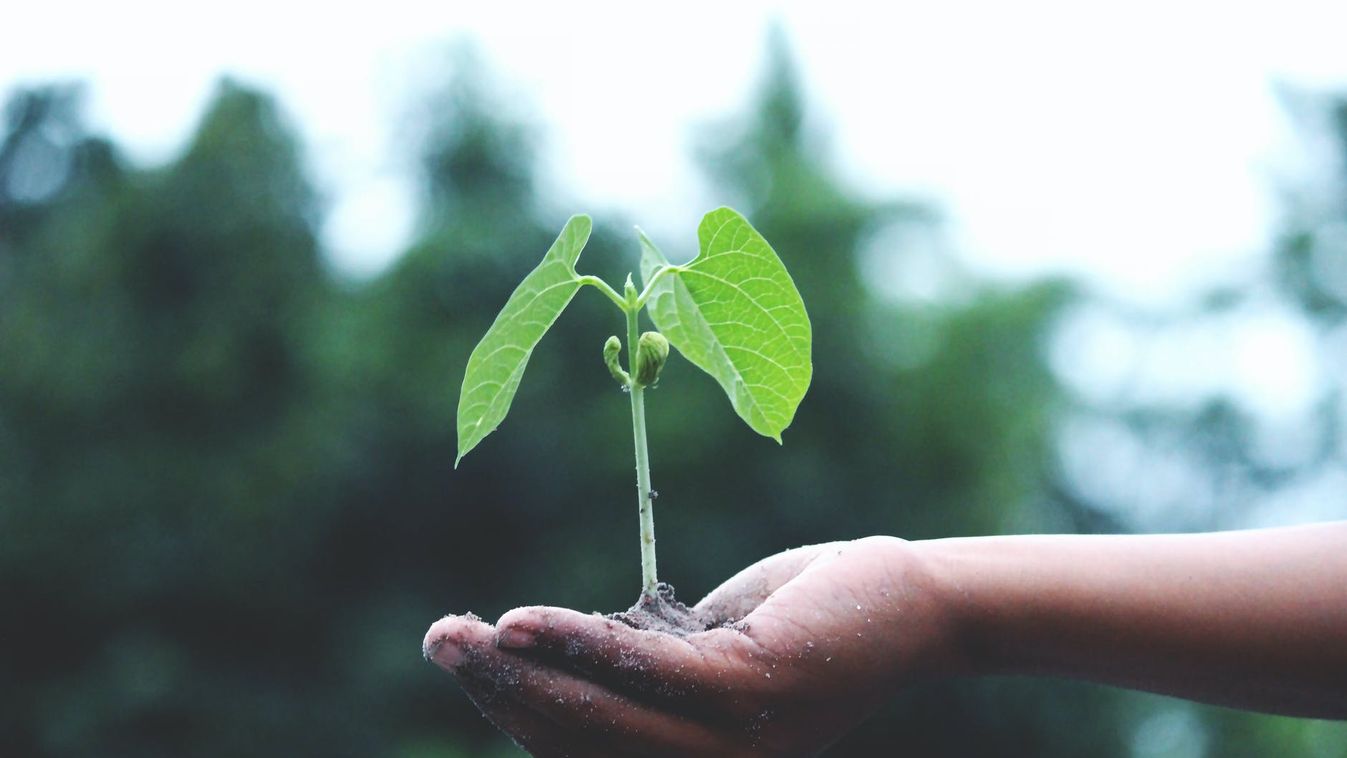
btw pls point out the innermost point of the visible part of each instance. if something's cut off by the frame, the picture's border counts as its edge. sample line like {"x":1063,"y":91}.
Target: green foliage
{"x":735,"y":313}
{"x":498,"y":362}
{"x":739,"y":318}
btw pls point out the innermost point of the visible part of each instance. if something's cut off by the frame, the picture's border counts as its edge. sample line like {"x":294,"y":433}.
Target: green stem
{"x":644,"y":498}
{"x":602,"y":286}
{"x":650,"y":285}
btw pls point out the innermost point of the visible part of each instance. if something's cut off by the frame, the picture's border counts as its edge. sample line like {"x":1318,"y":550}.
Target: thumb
{"x":742,"y":593}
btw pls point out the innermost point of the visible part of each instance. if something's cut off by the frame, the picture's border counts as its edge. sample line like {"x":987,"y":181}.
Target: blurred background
{"x":1068,"y":272}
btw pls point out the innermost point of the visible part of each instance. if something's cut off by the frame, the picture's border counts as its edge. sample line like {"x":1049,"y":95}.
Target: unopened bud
{"x":652,"y":350}
{"x":611,"y":350}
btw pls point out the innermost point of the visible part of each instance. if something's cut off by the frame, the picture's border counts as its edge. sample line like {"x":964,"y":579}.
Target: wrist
{"x":925,"y":591}
{"x":957,"y":579}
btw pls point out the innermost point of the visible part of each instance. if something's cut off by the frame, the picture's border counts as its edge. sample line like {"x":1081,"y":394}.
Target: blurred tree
{"x":153,"y":408}
{"x":1311,"y":257}
{"x":412,"y":536}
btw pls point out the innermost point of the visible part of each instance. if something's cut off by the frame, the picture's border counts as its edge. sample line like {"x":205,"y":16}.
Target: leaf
{"x":497,"y":363}
{"x":735,"y":313}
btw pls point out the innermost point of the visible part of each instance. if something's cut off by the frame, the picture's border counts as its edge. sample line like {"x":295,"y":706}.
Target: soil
{"x":664,"y":613}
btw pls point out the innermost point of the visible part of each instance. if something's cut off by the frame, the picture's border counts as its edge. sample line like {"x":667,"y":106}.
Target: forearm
{"x":1254,"y":619}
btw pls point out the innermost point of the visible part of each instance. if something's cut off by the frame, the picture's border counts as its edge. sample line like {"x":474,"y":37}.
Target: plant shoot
{"x":733,"y":311}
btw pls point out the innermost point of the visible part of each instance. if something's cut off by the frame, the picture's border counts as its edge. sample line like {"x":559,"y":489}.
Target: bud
{"x":611,"y":350}
{"x":652,"y":350}
{"x":629,"y":290}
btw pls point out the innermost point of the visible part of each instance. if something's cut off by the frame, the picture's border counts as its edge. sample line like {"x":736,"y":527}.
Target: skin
{"x":822,"y":635}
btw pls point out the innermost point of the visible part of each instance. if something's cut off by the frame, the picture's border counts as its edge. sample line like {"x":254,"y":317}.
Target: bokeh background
{"x":230,"y":350}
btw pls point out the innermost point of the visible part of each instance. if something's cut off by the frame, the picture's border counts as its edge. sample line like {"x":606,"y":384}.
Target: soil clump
{"x":663,"y":612}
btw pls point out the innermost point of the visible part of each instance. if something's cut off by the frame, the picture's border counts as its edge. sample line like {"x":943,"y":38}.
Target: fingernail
{"x":515,"y":637}
{"x":445,"y":653}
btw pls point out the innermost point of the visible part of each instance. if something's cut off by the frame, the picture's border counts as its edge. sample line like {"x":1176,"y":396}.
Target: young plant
{"x":733,"y":311}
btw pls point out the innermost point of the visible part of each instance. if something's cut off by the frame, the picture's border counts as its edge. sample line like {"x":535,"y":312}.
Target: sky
{"x":1140,"y":147}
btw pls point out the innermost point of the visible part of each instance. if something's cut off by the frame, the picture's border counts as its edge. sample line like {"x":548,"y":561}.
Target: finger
{"x":446,"y":641}
{"x":549,"y":710}
{"x":463,"y":646}
{"x":739,"y":595}
{"x":532,"y":731}
{"x":616,"y":723}
{"x":661,"y":667}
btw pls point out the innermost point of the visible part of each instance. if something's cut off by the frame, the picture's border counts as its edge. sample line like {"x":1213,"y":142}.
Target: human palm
{"x":804,"y":645}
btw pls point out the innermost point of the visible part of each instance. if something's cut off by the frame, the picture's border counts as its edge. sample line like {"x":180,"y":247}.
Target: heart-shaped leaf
{"x":735,"y":313}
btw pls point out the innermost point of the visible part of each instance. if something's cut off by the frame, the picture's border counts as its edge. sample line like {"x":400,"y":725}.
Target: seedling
{"x":733,"y":311}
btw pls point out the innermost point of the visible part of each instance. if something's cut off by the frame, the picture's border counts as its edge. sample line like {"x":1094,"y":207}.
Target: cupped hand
{"x":805,"y":645}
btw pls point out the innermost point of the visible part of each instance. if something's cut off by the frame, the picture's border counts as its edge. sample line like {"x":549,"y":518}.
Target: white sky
{"x":1136,"y":146}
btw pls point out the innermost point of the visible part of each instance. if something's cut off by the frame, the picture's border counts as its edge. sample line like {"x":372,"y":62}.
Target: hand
{"x":810,"y":642}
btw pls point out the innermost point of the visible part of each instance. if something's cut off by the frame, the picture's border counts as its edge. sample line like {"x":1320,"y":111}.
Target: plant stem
{"x":602,"y":286}
{"x":650,"y":285}
{"x":643,"y":491}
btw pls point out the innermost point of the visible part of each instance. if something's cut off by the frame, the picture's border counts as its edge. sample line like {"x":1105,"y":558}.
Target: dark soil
{"x":664,"y":613}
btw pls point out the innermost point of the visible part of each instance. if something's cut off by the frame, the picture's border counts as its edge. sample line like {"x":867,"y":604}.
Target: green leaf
{"x":735,"y":313}
{"x":497,"y":363}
